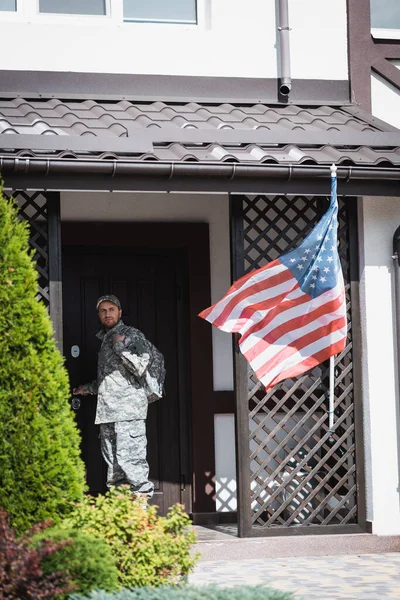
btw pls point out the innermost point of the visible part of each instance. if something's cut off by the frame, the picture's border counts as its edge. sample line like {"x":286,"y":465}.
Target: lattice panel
{"x":33,"y":208}
{"x":301,"y":474}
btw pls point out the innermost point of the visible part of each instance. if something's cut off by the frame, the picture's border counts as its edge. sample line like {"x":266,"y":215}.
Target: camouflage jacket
{"x":120,"y":394}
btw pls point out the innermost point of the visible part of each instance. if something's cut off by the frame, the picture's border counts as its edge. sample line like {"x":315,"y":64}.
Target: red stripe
{"x":260,"y":286}
{"x":309,"y":363}
{"x":299,"y":344}
{"x":292,"y":325}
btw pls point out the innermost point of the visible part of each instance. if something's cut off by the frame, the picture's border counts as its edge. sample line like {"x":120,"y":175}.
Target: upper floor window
{"x":160,"y":11}
{"x":72,"y":7}
{"x":385,"y":18}
{"x":8,"y":5}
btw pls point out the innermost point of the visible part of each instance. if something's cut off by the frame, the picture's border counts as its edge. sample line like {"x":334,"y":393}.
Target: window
{"x":8,"y":5}
{"x":161,"y":11}
{"x":72,"y":7}
{"x":385,"y":14}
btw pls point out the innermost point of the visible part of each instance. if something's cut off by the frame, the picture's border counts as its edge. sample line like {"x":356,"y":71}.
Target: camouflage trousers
{"x":123,"y":445}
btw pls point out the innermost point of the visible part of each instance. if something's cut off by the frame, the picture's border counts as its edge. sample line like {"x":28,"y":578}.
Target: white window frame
{"x":385,"y":34}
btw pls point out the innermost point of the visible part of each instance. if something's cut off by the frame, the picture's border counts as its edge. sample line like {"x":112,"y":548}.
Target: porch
{"x":291,"y":475}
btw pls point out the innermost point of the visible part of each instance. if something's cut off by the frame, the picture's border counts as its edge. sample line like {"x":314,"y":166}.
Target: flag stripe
{"x":241,"y":284}
{"x":308,"y":363}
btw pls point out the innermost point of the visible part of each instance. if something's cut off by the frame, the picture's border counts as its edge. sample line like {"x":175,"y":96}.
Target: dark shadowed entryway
{"x":152,"y":287}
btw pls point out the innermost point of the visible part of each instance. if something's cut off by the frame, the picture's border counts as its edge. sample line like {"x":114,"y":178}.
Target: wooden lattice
{"x":301,"y":474}
{"x":33,"y":208}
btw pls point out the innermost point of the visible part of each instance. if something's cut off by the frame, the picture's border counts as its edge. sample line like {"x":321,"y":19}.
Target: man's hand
{"x":117,"y":337}
{"x":80,"y":391}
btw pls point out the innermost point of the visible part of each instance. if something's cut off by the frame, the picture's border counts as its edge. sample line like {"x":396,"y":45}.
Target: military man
{"x":121,"y":399}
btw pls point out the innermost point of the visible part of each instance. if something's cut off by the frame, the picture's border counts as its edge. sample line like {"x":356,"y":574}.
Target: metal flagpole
{"x":332,"y":364}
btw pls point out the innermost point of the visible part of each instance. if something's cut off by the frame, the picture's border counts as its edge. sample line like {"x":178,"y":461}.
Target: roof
{"x":249,"y":134}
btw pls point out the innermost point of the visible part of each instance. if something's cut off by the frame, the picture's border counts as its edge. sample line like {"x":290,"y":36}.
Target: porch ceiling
{"x":256,"y":134}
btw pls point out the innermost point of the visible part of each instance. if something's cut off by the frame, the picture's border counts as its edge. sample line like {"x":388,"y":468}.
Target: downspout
{"x":396,"y":264}
{"x":285,"y":80}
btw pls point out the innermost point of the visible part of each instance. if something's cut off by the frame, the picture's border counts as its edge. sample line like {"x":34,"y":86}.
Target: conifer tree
{"x":41,"y":472}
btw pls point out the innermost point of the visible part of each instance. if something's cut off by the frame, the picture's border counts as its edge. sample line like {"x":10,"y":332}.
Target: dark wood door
{"x":152,"y":288}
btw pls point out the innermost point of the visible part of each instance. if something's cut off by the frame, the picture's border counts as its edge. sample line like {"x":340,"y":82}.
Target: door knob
{"x":75,"y":402}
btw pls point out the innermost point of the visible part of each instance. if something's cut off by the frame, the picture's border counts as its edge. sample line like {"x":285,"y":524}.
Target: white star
{"x":292,"y":260}
{"x":307,"y":251}
{"x":326,"y":269}
{"x":323,"y":279}
{"x":300,"y":267}
{"x":319,"y":258}
{"x":312,"y":285}
{"x":319,"y":237}
{"x":314,"y":277}
{"x":329,"y":259}
{"x":313,"y":256}
{"x":304,"y":258}
{"x":322,"y":248}
{"x":333,"y":247}
{"x":315,"y":268}
{"x":330,"y":227}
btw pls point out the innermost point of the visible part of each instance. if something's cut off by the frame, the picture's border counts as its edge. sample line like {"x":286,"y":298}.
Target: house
{"x":160,"y":150}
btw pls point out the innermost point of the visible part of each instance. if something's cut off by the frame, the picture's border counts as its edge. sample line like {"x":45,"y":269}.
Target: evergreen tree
{"x":41,"y":472}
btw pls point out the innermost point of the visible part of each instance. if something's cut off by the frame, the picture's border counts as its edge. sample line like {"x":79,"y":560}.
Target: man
{"x":121,"y":400}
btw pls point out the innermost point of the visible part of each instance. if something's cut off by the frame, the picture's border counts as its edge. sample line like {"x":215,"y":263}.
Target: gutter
{"x":170,"y":170}
{"x":285,"y":84}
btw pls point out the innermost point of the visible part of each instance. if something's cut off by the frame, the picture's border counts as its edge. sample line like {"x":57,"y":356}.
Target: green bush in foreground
{"x":41,"y":470}
{"x":192,"y":593}
{"x":149,"y":550}
{"x":87,"y":560}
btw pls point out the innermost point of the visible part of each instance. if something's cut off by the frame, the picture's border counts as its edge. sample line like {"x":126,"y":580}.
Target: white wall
{"x":381,"y":217}
{"x":232,"y":38}
{"x":385,"y":101}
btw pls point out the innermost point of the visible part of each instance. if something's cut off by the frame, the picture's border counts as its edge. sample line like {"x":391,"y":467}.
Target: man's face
{"x":109,"y":314}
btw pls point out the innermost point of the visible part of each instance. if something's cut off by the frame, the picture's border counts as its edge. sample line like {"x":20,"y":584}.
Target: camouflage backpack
{"x":154,"y":377}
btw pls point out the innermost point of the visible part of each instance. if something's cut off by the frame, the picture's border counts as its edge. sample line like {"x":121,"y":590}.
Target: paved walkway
{"x":352,"y":577}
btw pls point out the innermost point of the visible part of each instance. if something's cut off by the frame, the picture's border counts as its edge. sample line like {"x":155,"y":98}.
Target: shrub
{"x":41,"y":469}
{"x":193,"y":593}
{"x":148,"y":549}
{"x":21,"y":572}
{"x":87,"y":560}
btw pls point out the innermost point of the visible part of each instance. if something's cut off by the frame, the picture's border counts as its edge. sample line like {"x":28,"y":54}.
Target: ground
{"x":353,"y":577}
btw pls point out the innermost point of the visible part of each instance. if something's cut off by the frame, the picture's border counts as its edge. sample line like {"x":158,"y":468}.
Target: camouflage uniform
{"x":122,"y":406}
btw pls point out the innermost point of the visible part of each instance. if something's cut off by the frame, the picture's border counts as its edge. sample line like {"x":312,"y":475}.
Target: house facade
{"x":160,"y":151}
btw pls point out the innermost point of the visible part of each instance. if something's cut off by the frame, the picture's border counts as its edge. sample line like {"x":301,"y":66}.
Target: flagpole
{"x":332,"y":363}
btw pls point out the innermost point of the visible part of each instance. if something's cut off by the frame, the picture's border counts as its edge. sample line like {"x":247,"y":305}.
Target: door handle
{"x":75,"y":402}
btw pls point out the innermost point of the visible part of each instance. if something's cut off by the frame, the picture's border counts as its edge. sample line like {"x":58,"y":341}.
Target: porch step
{"x":215,"y":545}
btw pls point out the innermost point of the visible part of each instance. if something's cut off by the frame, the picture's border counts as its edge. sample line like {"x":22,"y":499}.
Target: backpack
{"x":154,"y":376}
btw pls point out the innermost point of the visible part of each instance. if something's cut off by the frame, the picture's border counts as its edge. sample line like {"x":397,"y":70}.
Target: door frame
{"x":192,"y":239}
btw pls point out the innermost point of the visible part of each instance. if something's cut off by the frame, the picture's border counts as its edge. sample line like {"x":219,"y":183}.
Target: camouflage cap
{"x":108,"y":298}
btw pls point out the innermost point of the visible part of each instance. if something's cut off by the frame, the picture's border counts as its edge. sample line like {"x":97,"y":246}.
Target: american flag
{"x":291,"y":313}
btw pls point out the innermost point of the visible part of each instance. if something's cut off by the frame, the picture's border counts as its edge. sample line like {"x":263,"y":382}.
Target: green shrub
{"x":149,"y":550}
{"x":41,"y":469}
{"x":193,"y":593}
{"x":87,"y":560}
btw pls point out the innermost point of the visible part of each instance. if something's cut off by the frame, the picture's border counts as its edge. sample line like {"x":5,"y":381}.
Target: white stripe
{"x":256,"y":278}
{"x":289,"y":338}
{"x":304,"y":354}
{"x":292,"y":313}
